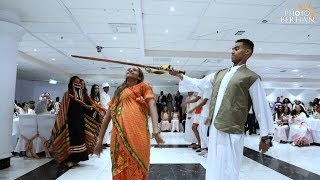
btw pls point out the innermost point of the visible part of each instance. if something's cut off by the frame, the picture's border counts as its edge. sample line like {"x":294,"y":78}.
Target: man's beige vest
{"x":236,"y":101}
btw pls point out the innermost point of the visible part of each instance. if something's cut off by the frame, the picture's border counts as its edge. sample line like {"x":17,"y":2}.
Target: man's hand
{"x":207,"y":122}
{"x":175,"y":72}
{"x":264,"y":144}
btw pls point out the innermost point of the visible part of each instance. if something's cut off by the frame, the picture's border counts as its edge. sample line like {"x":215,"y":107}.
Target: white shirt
{"x":190,"y":105}
{"x":104,"y":99}
{"x":257,"y":94}
{"x":205,"y":94}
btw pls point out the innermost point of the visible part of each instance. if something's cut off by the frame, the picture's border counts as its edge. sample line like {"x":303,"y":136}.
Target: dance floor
{"x":175,"y":161}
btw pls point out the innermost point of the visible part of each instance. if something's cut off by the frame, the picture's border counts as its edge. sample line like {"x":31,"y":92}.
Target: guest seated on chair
{"x":165,"y":125}
{"x":175,"y":120}
{"x":282,"y":129}
{"x":299,"y":133}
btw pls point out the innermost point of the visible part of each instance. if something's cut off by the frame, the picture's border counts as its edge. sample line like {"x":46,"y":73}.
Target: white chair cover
{"x":174,"y":125}
{"x":45,"y":125}
{"x":28,"y":131}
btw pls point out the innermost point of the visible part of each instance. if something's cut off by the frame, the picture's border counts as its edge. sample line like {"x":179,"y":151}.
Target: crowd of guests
{"x":44,"y":105}
{"x":170,"y":111}
{"x":291,"y":121}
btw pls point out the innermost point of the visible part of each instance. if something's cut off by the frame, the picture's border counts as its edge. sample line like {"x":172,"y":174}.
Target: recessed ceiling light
{"x":17,"y":64}
{"x":172,"y":9}
{"x":178,"y":61}
{"x":260,"y":49}
{"x":53,"y":59}
{"x":121,"y":50}
{"x":301,"y":76}
{"x":239,"y":33}
{"x":112,"y":80}
{"x":166,"y":31}
{"x":35,"y":50}
{"x":169,"y":81}
{"x":114,"y":37}
{"x":295,"y":70}
{"x":51,"y":81}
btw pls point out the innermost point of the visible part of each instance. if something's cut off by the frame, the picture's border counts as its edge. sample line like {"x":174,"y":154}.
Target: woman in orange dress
{"x":130,"y":139}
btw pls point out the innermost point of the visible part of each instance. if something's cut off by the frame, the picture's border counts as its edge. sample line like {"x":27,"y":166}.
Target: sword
{"x":159,"y":69}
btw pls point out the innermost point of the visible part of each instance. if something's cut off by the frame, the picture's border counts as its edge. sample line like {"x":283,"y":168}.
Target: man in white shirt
{"x":234,"y":90}
{"x":189,"y":133}
{"x":105,"y":99}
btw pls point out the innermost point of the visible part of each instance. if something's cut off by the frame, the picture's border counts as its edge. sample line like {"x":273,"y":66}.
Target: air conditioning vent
{"x":123,"y":28}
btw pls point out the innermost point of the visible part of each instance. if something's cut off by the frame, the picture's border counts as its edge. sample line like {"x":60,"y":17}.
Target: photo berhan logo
{"x":304,"y":15}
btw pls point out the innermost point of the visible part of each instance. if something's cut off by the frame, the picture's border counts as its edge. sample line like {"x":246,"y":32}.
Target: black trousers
{"x":250,"y":123}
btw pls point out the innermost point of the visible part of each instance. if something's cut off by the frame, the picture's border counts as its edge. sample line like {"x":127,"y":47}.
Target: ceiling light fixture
{"x":166,"y":31}
{"x":172,"y":9}
{"x":301,"y":76}
{"x":35,"y":50}
{"x":121,"y":50}
{"x":53,"y":59}
{"x":295,"y":70}
{"x":114,"y":38}
{"x":51,"y":81}
{"x":239,"y":33}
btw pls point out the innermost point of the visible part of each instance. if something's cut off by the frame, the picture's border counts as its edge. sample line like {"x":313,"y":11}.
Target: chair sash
{"x":29,"y":147}
{"x":46,"y":144}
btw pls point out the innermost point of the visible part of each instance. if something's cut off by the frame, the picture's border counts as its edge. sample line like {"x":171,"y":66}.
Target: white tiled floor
{"x":20,"y":166}
{"x":100,"y":168}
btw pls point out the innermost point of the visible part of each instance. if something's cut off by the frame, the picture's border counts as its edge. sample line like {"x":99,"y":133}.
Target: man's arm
{"x":202,"y":103}
{"x":262,"y":112}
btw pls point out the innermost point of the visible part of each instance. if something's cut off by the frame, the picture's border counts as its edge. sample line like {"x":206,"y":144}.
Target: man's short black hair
{"x":247,"y":43}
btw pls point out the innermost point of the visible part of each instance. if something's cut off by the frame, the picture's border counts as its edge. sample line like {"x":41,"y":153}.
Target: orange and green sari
{"x":130,"y":139}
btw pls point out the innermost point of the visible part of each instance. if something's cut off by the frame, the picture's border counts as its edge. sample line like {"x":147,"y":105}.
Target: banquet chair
{"x":45,"y":125}
{"x":28,"y":133}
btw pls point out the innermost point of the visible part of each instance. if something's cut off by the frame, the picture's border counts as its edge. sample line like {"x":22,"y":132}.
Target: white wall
{"x":31,"y":90}
{"x":304,"y":95}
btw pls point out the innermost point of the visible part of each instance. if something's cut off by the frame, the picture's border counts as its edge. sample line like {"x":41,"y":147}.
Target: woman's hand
{"x":158,"y":138}
{"x":98,"y":148}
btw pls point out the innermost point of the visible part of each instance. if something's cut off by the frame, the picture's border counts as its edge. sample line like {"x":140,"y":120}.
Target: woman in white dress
{"x":282,"y":129}
{"x":175,"y":120}
{"x":165,"y":125}
{"x":300,"y":133}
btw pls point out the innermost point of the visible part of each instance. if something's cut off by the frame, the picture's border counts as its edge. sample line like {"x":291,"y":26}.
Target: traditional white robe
{"x":189,"y":134}
{"x":226,"y":150}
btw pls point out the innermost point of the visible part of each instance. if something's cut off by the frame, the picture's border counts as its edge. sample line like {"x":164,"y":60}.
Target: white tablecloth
{"x":314,"y":125}
{"x":15,"y":127}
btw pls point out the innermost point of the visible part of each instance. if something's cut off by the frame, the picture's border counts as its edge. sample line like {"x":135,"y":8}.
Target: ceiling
{"x":192,"y":35}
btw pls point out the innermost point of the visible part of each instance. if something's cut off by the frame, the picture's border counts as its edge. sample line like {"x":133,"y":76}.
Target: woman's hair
{"x":70,"y":85}
{"x":84,"y":85}
{"x":294,"y":112}
{"x":92,"y":94}
{"x":286,"y":99}
{"x":164,"y":108}
{"x":120,"y":88}
{"x":278,"y":111}
{"x":169,"y":96}
{"x":41,"y":107}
